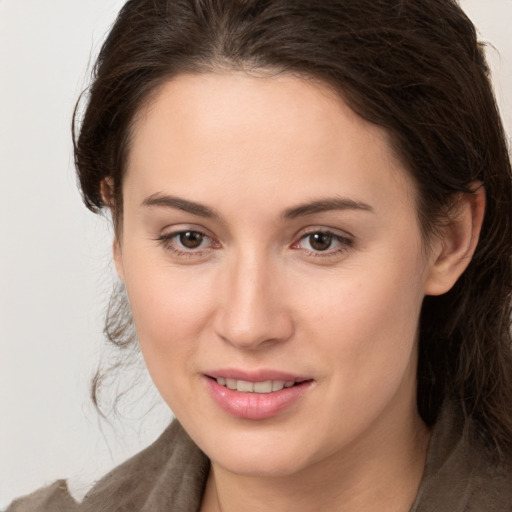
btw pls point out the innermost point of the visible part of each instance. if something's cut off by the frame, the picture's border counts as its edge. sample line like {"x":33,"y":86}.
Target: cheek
{"x":379,"y":292}
{"x":365,"y":322}
{"x":170,"y":312}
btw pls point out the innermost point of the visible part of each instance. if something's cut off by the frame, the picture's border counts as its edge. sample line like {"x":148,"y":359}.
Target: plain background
{"x":55,"y":263}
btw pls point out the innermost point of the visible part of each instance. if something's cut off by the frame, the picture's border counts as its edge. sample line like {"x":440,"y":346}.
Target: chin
{"x":260,"y":465}
{"x":270,"y":455}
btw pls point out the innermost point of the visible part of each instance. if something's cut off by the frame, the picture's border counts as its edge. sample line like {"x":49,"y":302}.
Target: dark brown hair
{"x":413,"y":67}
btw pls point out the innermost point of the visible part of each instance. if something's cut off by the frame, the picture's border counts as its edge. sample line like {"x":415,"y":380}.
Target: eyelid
{"x":336,"y":232}
{"x":176,"y":229}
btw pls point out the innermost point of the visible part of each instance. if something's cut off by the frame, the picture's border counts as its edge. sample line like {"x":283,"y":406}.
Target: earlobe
{"x":455,"y":247}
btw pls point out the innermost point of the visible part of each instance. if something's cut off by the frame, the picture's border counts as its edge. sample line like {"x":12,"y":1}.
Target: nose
{"x":252,"y":309}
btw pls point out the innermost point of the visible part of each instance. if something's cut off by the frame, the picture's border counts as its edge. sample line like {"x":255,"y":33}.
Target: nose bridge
{"x":252,"y":311}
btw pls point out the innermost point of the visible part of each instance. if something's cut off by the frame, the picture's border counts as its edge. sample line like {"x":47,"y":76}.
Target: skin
{"x":257,"y":294}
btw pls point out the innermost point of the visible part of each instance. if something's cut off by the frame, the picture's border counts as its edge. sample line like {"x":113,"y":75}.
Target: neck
{"x":381,"y":472}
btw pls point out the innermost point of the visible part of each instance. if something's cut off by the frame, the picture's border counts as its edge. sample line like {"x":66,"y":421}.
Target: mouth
{"x":244,"y":386}
{"x":257,"y":396}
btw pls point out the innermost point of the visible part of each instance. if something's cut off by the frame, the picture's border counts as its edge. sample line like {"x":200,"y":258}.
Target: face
{"x":270,"y":244}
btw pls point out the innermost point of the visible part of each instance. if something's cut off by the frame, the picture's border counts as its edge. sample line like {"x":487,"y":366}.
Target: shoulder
{"x":460,"y":475}
{"x":54,"y":498}
{"x":168,"y":475}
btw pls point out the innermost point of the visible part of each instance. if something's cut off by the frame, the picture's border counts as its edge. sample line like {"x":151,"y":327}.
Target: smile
{"x":256,"y":397}
{"x":244,"y":386}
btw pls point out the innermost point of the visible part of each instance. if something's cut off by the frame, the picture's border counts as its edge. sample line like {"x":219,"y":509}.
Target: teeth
{"x":230,"y":383}
{"x":263,"y":387}
{"x":277,"y":385}
{"x":247,"y":387}
{"x":267,"y":386}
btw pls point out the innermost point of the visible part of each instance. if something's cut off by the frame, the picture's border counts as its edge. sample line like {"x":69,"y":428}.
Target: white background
{"x":55,"y":270}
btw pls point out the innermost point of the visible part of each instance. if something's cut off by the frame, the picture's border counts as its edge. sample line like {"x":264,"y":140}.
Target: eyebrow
{"x":179,"y":204}
{"x":325,"y":205}
{"x":311,"y":208}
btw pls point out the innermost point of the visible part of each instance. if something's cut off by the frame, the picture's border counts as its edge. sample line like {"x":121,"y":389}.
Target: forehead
{"x":210,"y":132}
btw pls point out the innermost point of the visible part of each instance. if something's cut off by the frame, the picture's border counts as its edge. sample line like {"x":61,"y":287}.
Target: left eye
{"x":190,"y":239}
{"x":321,"y":241}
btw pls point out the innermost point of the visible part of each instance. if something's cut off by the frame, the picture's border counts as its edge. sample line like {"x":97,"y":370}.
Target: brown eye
{"x":191,"y":239}
{"x":320,"y":241}
{"x":324,"y":243}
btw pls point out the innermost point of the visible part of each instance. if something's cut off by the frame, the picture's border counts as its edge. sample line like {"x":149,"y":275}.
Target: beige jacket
{"x":170,"y":475}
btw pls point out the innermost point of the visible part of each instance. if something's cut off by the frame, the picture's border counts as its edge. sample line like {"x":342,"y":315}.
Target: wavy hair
{"x":413,"y":67}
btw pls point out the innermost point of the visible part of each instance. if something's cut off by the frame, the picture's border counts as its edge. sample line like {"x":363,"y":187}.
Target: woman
{"x":312,"y":212}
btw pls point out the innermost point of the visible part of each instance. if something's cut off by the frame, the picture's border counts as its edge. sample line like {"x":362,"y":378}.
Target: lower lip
{"x":255,"y":406}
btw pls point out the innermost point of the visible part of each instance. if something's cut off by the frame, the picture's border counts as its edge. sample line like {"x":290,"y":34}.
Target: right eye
{"x":187,"y":242}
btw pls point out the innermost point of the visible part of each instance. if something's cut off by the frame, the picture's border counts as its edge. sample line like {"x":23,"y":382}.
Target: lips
{"x":255,"y":395}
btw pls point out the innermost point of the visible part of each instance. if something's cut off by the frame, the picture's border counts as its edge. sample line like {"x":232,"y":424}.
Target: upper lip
{"x":261,"y":375}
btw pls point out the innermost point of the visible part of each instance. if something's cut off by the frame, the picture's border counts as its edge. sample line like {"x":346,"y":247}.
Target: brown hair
{"x":414,"y":67}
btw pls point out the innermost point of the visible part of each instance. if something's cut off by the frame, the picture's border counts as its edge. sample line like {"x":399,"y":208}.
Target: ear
{"x":107,"y":192}
{"x":107,"y":196}
{"x":454,"y":248}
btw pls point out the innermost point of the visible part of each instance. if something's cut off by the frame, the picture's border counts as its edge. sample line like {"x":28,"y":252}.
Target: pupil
{"x":320,"y":241}
{"x":191,"y":239}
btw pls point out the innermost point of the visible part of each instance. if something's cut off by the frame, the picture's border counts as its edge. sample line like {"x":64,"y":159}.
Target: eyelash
{"x":166,"y":241}
{"x":345,"y":243}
